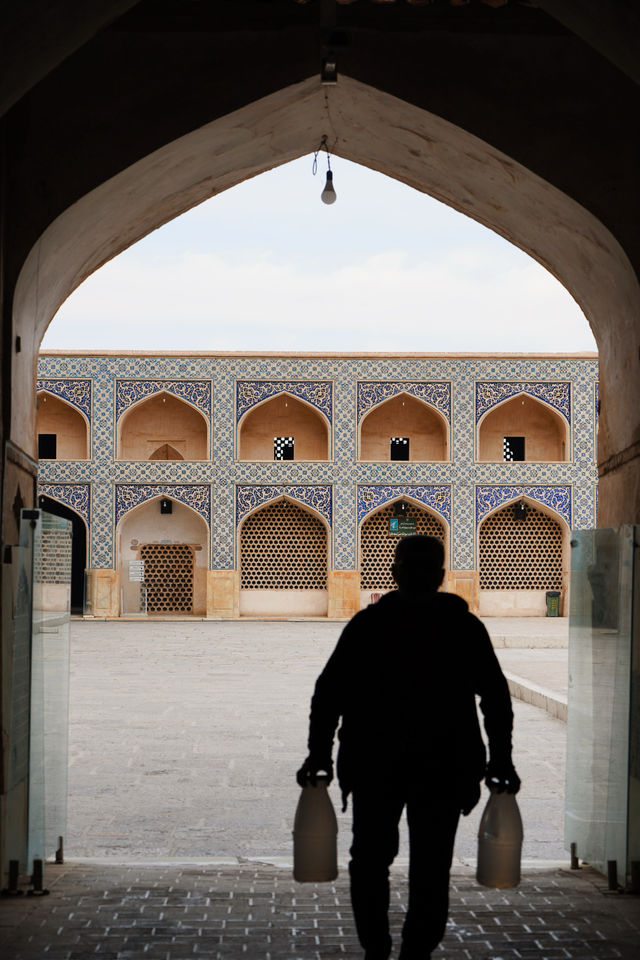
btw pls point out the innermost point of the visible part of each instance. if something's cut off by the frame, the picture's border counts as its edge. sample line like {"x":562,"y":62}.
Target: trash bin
{"x":553,"y":603}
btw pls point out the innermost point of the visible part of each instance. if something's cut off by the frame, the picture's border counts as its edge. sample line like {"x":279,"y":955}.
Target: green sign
{"x":402,"y":526}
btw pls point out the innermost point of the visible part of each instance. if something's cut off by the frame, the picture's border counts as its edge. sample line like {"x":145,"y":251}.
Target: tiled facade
{"x":342,"y":490}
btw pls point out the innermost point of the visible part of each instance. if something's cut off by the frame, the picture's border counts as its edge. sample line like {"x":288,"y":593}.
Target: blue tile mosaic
{"x":371,"y":393}
{"x":75,"y":392}
{"x":251,"y":496}
{"x":556,"y":497}
{"x":196,"y":392}
{"x":557,"y":395}
{"x":77,"y":496}
{"x":251,"y":392}
{"x":215,"y":394}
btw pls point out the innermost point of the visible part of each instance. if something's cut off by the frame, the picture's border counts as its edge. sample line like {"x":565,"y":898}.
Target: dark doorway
{"x":78,"y":549}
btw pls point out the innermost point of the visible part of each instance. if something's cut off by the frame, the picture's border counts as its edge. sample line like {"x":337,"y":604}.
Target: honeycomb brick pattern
{"x":520,"y":554}
{"x":52,"y":558}
{"x":168,"y":577}
{"x":282,"y":547}
{"x":377,"y":545}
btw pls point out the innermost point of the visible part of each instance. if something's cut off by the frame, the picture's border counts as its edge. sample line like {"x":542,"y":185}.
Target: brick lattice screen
{"x":282,"y":547}
{"x":520,"y":554}
{"x":168,"y":577}
{"x":377,"y":545}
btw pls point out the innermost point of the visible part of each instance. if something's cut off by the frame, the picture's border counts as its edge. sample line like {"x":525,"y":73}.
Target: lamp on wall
{"x":166,"y":505}
{"x":520,"y":510}
{"x":328,"y":195}
{"x":400,"y":508}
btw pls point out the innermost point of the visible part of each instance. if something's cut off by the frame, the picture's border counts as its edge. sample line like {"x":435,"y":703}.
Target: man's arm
{"x":326,"y":708}
{"x":495,"y":703}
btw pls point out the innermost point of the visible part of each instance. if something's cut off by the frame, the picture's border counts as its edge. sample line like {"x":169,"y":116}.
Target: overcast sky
{"x":268,"y":266}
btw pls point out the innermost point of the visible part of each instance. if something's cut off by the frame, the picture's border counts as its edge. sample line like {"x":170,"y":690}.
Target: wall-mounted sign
{"x":136,"y":571}
{"x":402,"y":526}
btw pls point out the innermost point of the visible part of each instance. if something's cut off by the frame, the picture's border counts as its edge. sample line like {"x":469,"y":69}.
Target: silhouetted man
{"x":403,"y":678}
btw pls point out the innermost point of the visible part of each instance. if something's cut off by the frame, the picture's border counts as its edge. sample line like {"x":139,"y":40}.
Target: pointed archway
{"x":78,"y":549}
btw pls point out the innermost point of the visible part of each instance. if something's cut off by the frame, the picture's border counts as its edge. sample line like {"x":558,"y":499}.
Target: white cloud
{"x":467,"y":298}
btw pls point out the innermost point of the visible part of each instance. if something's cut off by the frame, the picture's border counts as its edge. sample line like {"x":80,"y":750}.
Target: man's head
{"x":418,"y":564}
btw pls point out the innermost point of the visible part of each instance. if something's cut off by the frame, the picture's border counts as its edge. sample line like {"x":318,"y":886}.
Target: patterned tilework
{"x":371,"y":496}
{"x":222,"y":473}
{"x":557,"y":395}
{"x":197,"y":392}
{"x":556,"y":497}
{"x":251,"y":392}
{"x":74,"y":495}
{"x":437,"y":395}
{"x":250,"y":496}
{"x":130,"y":495}
{"x":75,"y":392}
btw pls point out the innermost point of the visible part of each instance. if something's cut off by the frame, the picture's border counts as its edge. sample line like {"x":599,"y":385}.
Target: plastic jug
{"x":500,"y":842}
{"x":315,"y":836}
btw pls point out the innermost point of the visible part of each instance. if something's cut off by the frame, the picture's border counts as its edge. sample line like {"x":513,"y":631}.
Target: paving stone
{"x":575,"y":920}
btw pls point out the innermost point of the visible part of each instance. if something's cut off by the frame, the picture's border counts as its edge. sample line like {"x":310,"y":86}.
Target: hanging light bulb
{"x":328,"y":195}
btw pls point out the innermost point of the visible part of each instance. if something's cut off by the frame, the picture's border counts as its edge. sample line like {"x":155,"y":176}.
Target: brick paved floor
{"x":185,"y":738}
{"x":257,"y":911}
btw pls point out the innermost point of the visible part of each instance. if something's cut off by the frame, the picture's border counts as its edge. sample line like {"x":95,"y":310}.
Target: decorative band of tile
{"x":436,"y":497}
{"x":77,"y":496}
{"x":596,"y":402}
{"x":196,"y":392}
{"x":556,"y":497}
{"x":75,"y":392}
{"x":252,"y":495}
{"x":319,"y":393}
{"x":556,"y":394}
{"x":194,"y":495}
{"x":436,"y":393}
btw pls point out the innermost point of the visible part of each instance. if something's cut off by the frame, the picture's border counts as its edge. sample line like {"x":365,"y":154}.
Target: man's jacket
{"x":403,"y":680}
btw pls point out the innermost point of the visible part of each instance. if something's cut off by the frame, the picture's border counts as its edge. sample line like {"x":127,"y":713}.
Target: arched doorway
{"x":378,"y":544}
{"x":521,"y":555}
{"x":78,"y":549}
{"x":283,"y":418}
{"x":283,"y":562}
{"x":162,"y":427}
{"x":62,"y":430}
{"x":403,"y":428}
{"x":162,"y":559}
{"x":523,"y":428}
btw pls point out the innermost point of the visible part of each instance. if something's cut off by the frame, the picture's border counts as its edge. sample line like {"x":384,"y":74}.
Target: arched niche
{"x":284,"y":552}
{"x":57,"y":418}
{"x":377,"y":544}
{"x":283,"y":416}
{"x":166,"y":452}
{"x":147,"y":526}
{"x":403,"y":416}
{"x":79,"y":539}
{"x":545,"y":432}
{"x":521,"y":558}
{"x":159,"y":421}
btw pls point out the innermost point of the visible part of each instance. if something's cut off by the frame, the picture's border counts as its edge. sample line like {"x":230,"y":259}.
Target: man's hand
{"x":308,"y":772}
{"x":502,"y":777}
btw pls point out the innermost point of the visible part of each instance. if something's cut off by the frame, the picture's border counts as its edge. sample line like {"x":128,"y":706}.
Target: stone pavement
{"x":254,"y":911}
{"x":185,"y":738}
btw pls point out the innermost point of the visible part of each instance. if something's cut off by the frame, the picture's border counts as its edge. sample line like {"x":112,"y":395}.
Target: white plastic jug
{"x":315,"y":836}
{"x":500,"y":842}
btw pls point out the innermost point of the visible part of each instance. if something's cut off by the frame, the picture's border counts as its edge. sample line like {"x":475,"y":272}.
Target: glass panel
{"x":49,"y":685}
{"x":599,"y":695}
{"x":18,"y":757}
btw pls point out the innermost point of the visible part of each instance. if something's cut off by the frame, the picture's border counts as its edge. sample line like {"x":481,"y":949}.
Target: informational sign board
{"x":136,"y":571}
{"x":402,"y":526}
